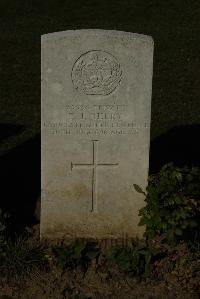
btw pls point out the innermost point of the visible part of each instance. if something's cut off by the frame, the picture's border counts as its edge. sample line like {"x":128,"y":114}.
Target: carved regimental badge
{"x":96,"y":73}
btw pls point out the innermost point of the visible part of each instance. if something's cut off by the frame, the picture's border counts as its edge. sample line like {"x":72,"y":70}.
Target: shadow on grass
{"x":21,"y":183}
{"x":179,"y":145}
{"x":8,"y":130}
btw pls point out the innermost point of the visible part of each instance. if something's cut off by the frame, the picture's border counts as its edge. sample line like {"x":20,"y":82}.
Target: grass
{"x":22,"y":257}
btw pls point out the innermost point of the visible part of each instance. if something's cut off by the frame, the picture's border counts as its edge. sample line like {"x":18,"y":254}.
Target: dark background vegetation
{"x":175,"y":130}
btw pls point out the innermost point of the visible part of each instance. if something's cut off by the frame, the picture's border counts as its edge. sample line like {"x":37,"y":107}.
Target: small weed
{"x":134,"y":260}
{"x":21,"y":257}
{"x":79,"y":253}
{"x":172,"y":204}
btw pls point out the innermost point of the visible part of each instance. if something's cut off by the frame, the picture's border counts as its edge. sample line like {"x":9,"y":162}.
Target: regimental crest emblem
{"x":96,"y":73}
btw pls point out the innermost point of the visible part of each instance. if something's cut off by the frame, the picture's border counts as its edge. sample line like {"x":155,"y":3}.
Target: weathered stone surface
{"x":96,"y":103}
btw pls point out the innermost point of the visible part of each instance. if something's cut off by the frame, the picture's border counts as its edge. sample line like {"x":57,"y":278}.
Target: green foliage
{"x":172,"y":204}
{"x":21,"y":257}
{"x":139,"y":189}
{"x":134,"y":260}
{"x":80,"y":253}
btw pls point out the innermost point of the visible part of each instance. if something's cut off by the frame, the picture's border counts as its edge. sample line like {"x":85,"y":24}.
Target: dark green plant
{"x":134,"y":260}
{"x":172,"y":204}
{"x":80,"y":253}
{"x":21,"y":257}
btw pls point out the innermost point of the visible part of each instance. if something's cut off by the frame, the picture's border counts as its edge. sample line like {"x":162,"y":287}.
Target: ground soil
{"x":170,"y":279}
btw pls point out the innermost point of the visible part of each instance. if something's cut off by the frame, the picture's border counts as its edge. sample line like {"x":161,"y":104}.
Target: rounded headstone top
{"x":131,"y":35}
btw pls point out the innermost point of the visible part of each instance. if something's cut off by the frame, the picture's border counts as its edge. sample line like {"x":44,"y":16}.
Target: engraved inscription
{"x":98,"y":120}
{"x":94,"y":165}
{"x":96,"y":73}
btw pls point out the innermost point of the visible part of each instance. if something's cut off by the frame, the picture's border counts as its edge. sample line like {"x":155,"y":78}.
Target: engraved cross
{"x":94,"y":165}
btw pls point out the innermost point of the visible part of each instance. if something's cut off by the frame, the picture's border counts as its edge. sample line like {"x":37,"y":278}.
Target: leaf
{"x":147,"y":271}
{"x":178,"y":200}
{"x":78,"y":248}
{"x":178,"y":231}
{"x":148,"y":257}
{"x":139,"y":189}
{"x":142,"y":222}
{"x":92,"y":254}
{"x":178,"y":176}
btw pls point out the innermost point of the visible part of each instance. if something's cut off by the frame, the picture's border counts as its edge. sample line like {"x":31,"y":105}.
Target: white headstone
{"x":96,"y":107}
